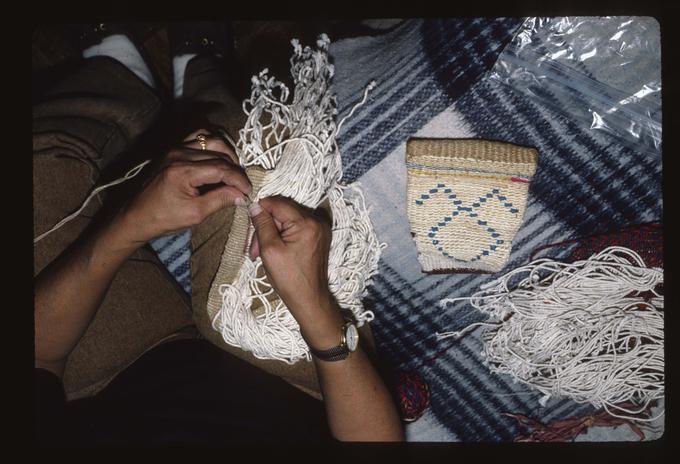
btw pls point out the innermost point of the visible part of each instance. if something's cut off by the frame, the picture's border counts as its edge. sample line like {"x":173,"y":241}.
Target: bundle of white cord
{"x":591,"y":330}
{"x":296,"y":142}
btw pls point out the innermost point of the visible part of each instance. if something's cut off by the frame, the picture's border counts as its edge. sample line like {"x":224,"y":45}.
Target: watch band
{"x":337,"y":353}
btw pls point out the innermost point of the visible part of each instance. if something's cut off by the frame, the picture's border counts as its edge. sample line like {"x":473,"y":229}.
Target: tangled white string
{"x":296,"y":141}
{"x":591,"y":330}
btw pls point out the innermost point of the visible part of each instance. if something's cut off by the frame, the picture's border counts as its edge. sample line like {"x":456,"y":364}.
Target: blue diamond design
{"x":459,"y":208}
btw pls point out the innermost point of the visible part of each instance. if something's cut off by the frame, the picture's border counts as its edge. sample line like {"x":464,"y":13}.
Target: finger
{"x":255,"y":244}
{"x":214,"y":171}
{"x":212,"y":143}
{"x":283,"y":209}
{"x":192,"y":154}
{"x":218,"y":199}
{"x":265,"y":228}
{"x":254,"y":248}
{"x":195,"y":133}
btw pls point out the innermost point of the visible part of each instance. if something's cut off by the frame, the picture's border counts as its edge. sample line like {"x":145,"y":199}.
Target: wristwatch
{"x":348,"y":344}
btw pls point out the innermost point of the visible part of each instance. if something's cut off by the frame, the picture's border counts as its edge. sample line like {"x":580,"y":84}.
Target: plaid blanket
{"x":433,"y":82}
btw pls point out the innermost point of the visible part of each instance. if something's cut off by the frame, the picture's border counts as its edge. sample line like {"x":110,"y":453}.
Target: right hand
{"x":294,"y":244}
{"x":171,"y":201}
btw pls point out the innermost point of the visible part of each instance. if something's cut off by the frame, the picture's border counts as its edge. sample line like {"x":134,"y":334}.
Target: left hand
{"x":294,"y":244}
{"x":171,"y":201}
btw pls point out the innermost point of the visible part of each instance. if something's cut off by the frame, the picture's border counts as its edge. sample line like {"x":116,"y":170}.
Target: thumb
{"x":265,"y":228}
{"x":219,"y":198}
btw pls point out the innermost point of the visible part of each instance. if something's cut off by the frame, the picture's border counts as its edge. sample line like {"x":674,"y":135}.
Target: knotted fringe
{"x":296,"y":142}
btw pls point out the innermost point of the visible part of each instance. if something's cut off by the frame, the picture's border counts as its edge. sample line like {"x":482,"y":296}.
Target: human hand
{"x":294,"y":244}
{"x":171,"y":200}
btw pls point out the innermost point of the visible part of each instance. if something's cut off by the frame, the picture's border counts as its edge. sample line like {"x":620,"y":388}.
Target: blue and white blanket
{"x":433,"y":77}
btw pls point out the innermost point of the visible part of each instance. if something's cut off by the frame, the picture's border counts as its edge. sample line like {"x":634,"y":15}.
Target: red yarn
{"x":414,"y":395}
{"x":567,"y":429}
{"x":645,"y":239}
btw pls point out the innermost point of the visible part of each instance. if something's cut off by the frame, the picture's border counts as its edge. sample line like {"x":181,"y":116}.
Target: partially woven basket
{"x":289,"y":149}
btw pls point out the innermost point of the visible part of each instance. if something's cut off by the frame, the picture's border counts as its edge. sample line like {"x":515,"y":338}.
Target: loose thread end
{"x":444,"y":335}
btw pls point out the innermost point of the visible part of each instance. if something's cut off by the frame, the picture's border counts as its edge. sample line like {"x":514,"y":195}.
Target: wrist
{"x":322,"y":326}
{"x":120,"y":235}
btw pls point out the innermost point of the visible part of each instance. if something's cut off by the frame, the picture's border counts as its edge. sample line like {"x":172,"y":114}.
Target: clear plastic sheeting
{"x":601,"y":71}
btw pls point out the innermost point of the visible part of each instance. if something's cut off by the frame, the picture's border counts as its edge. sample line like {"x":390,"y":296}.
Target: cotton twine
{"x":296,"y":142}
{"x":591,"y":330}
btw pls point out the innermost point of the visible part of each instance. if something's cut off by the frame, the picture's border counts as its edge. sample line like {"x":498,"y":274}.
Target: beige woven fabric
{"x":234,"y":251}
{"x":465,"y":201}
{"x":301,"y":374}
{"x":233,"y":254}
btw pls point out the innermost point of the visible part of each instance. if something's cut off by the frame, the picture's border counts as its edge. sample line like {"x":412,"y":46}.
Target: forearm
{"x":358,"y":404}
{"x":70,"y":290}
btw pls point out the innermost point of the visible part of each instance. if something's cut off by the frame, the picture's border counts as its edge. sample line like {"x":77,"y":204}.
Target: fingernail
{"x":255,"y":209}
{"x":239,"y":201}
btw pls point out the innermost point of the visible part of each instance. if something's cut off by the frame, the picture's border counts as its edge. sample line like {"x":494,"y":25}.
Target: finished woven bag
{"x":465,"y":201}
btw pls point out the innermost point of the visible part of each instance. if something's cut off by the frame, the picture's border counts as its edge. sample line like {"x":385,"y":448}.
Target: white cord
{"x":591,"y":330}
{"x":129,"y":175}
{"x":298,"y":147}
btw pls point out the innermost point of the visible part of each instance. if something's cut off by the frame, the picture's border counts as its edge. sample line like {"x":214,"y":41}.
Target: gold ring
{"x":200,"y":138}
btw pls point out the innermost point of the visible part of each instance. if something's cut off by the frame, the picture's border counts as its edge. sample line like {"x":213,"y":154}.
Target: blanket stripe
{"x":458,"y":51}
{"x":174,"y":251}
{"x":426,"y":47}
{"x":586,"y":182}
{"x":592,"y":183}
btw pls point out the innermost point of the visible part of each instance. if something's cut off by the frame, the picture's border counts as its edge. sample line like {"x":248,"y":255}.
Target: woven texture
{"x":432,"y":84}
{"x":233,"y":254}
{"x":465,"y":201}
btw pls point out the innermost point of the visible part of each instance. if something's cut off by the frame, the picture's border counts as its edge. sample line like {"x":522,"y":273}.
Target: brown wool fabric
{"x":77,"y":128}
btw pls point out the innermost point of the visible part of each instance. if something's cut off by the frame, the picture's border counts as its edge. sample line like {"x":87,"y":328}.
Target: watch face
{"x":352,"y":337}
